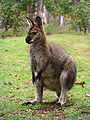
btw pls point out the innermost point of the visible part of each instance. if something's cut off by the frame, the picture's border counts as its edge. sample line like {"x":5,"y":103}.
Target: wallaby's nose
{"x":27,"y":39}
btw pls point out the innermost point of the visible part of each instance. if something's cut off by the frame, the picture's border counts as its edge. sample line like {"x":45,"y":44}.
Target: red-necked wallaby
{"x":52,"y":67}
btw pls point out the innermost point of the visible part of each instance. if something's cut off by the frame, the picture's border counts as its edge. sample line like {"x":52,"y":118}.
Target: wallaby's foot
{"x":31,"y":102}
{"x":58,"y":105}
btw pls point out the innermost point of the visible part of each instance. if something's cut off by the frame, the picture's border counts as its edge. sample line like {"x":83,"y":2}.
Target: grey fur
{"x":56,"y":67}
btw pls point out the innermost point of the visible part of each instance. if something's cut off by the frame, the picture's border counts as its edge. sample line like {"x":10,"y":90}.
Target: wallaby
{"x":52,"y":67}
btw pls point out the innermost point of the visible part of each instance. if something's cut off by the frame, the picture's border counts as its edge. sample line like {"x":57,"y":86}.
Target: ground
{"x":16,"y":86}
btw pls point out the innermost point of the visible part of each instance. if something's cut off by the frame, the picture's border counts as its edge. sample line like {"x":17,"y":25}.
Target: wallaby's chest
{"x":37,"y":56}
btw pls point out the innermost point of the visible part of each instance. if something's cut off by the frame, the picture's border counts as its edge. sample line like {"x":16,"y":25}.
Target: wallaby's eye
{"x":34,"y":33}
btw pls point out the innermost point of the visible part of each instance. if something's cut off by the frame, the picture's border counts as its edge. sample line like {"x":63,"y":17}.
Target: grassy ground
{"x":16,"y":86}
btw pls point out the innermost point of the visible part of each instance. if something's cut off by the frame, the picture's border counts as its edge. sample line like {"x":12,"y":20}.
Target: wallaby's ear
{"x":39,"y":21}
{"x":29,"y":20}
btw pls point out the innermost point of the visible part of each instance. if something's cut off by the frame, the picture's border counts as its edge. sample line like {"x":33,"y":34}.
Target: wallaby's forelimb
{"x":42,"y":68}
{"x":33,"y":77}
{"x":38,"y":76}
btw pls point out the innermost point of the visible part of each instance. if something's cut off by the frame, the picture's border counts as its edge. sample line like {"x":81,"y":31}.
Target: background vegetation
{"x":76,"y":12}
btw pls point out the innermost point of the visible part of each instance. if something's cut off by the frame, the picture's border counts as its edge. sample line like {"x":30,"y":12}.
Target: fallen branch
{"x":81,"y":83}
{"x":87,"y":95}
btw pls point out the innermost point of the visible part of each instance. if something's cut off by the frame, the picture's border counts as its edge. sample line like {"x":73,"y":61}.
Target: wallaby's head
{"x":36,"y":32}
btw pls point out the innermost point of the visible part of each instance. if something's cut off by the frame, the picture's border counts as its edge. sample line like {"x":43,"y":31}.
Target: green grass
{"x":16,"y":86}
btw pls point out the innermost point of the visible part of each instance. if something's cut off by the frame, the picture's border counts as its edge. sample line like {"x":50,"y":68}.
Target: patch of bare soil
{"x":15,"y":112}
{"x":45,"y":112}
{"x":8,"y":36}
{"x":50,"y":112}
{"x":10,"y":98}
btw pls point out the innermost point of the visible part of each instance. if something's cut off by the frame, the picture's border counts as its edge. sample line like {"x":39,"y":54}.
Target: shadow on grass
{"x":44,"y":103}
{"x":50,"y":103}
{"x":48,"y":106}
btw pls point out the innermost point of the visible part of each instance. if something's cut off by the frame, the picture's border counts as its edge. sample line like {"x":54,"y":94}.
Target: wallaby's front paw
{"x":38,"y":77}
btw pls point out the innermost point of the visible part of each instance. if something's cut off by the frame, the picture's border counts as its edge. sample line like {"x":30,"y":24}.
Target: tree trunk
{"x":44,"y":15}
{"x":60,"y":21}
{"x":48,"y":16}
{"x":6,"y":28}
{"x":40,"y":7}
{"x":30,"y":10}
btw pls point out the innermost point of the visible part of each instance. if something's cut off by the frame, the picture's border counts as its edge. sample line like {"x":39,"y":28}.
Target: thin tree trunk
{"x":62,"y":21}
{"x":40,"y":7}
{"x":58,"y":20}
{"x":6,"y":28}
{"x":30,"y":10}
{"x":48,"y":16}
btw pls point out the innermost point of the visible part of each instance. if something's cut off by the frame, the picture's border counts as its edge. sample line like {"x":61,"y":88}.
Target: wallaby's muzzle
{"x":28,"y":39}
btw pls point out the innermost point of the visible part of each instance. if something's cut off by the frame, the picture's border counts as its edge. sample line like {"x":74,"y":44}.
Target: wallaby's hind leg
{"x":67,"y":79}
{"x":64,"y":87}
{"x":62,"y":98}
